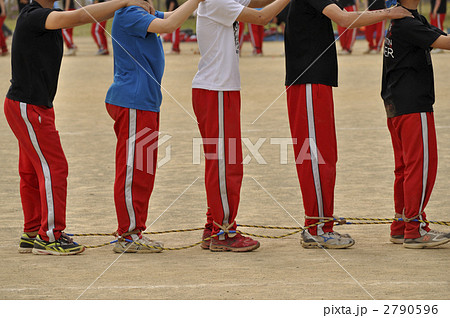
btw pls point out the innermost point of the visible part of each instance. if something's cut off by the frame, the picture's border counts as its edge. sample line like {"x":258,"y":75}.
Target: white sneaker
{"x":345,"y":52}
{"x":332,"y":240}
{"x":140,"y":245}
{"x":71,"y":51}
{"x":431,"y":239}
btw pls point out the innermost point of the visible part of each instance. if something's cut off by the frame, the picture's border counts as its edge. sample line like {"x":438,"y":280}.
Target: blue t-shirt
{"x":138,"y":61}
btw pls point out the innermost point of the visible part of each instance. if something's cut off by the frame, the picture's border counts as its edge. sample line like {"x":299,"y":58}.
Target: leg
{"x":257,"y":33}
{"x":218,"y":115}
{"x":29,"y":193}
{"x":380,"y":30}
{"x":397,"y":227}
{"x":3,"y":46}
{"x":67,"y":36}
{"x":135,"y":168}
{"x":176,"y":40}
{"x":417,"y":132}
{"x":39,"y":140}
{"x":311,"y":117}
{"x":95,"y":34}
{"x":241,"y":35}
{"x":369,"y":31}
{"x":103,"y":39}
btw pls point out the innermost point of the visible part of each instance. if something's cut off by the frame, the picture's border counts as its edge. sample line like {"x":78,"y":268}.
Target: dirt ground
{"x":372,"y":269}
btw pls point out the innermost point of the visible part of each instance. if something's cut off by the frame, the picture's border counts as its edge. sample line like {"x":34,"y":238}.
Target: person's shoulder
{"x":131,"y":10}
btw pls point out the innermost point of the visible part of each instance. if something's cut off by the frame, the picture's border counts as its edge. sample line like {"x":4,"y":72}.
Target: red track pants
{"x":43,"y":168}
{"x":378,"y":29}
{"x":311,"y":118}
{"x":68,"y":36}
{"x":438,"y":20}
{"x":256,"y":33}
{"x":415,"y":151}
{"x":347,"y":36}
{"x":136,"y":159}
{"x":176,"y":40}
{"x":218,"y":116}
{"x":98,"y":34}
{"x":3,"y":46}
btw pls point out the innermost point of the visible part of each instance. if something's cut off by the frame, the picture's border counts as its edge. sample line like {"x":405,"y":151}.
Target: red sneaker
{"x":206,"y":233}
{"x":237,"y":243}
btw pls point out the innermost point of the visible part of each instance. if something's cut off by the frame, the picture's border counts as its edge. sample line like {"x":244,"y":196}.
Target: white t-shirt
{"x":217,"y":38}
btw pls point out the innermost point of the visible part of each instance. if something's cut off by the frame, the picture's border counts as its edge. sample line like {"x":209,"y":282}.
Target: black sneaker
{"x":26,"y":243}
{"x":62,"y":246}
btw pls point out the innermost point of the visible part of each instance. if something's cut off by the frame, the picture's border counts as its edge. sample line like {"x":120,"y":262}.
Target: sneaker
{"x":397,"y":239}
{"x":431,"y":239}
{"x":139,"y":245}
{"x":205,"y":244}
{"x":26,"y":243}
{"x":102,"y":52}
{"x":345,"y":52}
{"x":71,"y":51}
{"x":374,"y":51}
{"x":238,"y":243}
{"x":62,"y":246}
{"x":332,"y":240}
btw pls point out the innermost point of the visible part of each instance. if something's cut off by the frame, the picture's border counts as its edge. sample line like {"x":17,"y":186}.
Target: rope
{"x":297,"y":229}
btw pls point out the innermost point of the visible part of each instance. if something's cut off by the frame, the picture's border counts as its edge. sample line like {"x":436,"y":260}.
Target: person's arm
{"x":2,"y":6}
{"x":434,"y":10}
{"x":259,"y":3}
{"x":358,"y":19}
{"x":66,"y":7}
{"x":442,"y":42}
{"x":91,"y":13}
{"x":263,"y":16}
{"x":171,"y":6}
{"x":173,"y":20}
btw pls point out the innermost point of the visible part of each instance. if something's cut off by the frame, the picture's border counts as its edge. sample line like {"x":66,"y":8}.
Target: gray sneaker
{"x":143,"y":245}
{"x":431,"y":239}
{"x":397,"y":239}
{"x":332,"y":240}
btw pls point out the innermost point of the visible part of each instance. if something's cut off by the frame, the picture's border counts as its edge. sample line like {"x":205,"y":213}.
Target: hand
{"x":399,"y":12}
{"x":146,"y":5}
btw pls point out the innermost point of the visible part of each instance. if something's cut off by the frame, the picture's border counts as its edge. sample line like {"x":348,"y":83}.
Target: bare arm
{"x":173,"y":20}
{"x":358,"y":19}
{"x":259,"y":3}
{"x":435,"y":9}
{"x":91,"y":13}
{"x":263,"y":16}
{"x":442,"y":42}
{"x":2,"y":5}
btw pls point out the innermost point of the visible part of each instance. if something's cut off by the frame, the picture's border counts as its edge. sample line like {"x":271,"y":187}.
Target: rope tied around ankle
{"x":341,"y":221}
{"x":225,"y":229}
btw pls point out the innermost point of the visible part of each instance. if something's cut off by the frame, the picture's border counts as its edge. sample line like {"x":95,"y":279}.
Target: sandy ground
{"x":372,"y":269}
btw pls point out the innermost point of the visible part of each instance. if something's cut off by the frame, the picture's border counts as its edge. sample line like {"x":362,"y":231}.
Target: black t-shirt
{"x":376,"y":5}
{"x":282,"y":16}
{"x":408,"y":81}
{"x":442,"y":7}
{"x":309,"y":44}
{"x":168,"y":2}
{"x":36,"y":56}
{"x":345,"y":3}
